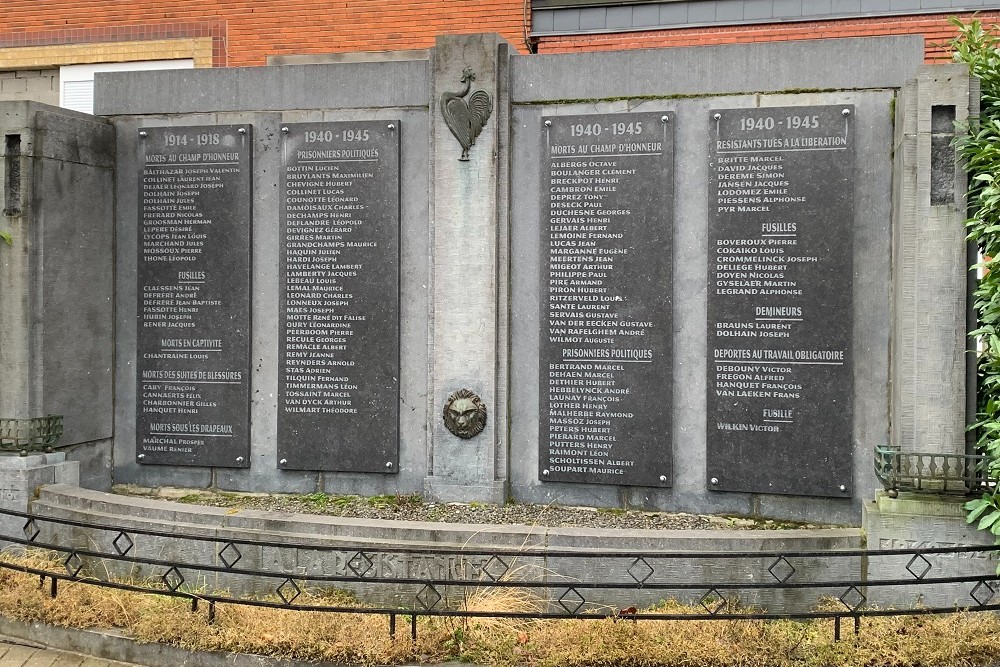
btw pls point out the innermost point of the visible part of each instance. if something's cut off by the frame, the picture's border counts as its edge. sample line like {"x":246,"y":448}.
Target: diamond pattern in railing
{"x":981,"y":597}
{"x":781,"y":569}
{"x":172,"y":578}
{"x":73,"y":564}
{"x":428,"y":597}
{"x":640,"y":571}
{"x":918,"y":566}
{"x":361,"y":564}
{"x":713,"y":601}
{"x":288,"y":591}
{"x":571,"y":600}
{"x":495,"y":568}
{"x":230,"y":555}
{"x":122,"y":543}
{"x":853,"y":599}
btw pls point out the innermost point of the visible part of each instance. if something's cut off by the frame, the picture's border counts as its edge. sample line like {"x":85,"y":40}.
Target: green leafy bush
{"x":979,"y":48}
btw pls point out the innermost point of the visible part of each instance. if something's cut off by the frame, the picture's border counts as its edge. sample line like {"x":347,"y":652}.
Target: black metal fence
{"x":598,"y":584}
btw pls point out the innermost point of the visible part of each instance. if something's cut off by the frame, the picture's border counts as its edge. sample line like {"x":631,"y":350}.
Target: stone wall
{"x":57,"y":170}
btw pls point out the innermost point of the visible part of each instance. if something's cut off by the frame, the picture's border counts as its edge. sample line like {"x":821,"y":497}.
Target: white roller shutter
{"x":76,"y":82}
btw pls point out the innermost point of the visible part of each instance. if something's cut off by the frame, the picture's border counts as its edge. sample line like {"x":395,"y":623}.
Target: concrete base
{"x":395,"y":563}
{"x":916,"y":521}
{"x":445,"y":491}
{"x":20,"y":477}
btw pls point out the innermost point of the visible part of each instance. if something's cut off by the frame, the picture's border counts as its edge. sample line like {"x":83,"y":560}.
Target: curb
{"x":111,"y":645}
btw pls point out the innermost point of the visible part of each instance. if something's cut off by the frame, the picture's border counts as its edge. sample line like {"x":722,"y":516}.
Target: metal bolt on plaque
{"x":464,"y":414}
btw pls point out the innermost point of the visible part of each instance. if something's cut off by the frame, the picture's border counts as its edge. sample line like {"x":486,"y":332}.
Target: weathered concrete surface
{"x":462,"y":553}
{"x":871,"y":338}
{"x":56,"y":341}
{"x":20,"y":478}
{"x":929,"y":255}
{"x":20,"y":648}
{"x":468,"y":214}
{"x":915,"y":521}
{"x":109,"y":647}
{"x":267,"y":98}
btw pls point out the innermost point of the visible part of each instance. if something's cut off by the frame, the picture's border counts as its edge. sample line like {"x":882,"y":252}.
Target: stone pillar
{"x":928,"y":361}
{"x":56,"y":312}
{"x":468,"y":214}
{"x":929,"y":263}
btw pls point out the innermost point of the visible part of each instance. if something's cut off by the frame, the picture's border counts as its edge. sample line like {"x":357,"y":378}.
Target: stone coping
{"x":112,"y":645}
{"x":69,"y":502}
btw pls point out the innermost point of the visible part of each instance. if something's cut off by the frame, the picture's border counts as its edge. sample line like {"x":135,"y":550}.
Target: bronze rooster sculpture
{"x":466,"y":119}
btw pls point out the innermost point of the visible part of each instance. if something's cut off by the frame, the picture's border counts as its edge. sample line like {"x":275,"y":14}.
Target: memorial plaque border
{"x":237,"y":456}
{"x":364,"y":457}
{"x":649,"y":439}
{"x":816,"y":456}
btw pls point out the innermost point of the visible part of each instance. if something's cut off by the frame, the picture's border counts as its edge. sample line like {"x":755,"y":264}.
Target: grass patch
{"x":397,"y":501}
{"x":954,"y":640}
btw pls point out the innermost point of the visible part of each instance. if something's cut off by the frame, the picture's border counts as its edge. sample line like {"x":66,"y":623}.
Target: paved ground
{"x":17,"y":655}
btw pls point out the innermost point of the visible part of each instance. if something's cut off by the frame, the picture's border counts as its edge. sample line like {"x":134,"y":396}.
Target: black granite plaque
{"x":338,"y":385}
{"x":781,"y":219}
{"x":605,"y":339}
{"x":193,"y":319}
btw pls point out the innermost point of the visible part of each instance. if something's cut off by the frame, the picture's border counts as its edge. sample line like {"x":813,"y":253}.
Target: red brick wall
{"x":255,"y":29}
{"x":245,"y":32}
{"x":936,"y":30}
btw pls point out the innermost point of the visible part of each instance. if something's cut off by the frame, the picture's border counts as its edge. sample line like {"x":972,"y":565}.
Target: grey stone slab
{"x":924,"y":522}
{"x":56,"y":277}
{"x":264,"y":368}
{"x":466,"y":210}
{"x":341,"y":86}
{"x":339,"y":309}
{"x":605,"y":294}
{"x":781,"y":213}
{"x":332,"y":546}
{"x":194,"y":277}
{"x":95,"y":462}
{"x":77,"y":239}
{"x":835,"y":64}
{"x":68,"y":136}
{"x":904,"y":5}
{"x":929,"y":358}
{"x":870,"y":296}
{"x":875,"y":5}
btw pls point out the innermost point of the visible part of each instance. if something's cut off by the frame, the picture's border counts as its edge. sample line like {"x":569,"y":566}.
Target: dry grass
{"x":956,"y":640}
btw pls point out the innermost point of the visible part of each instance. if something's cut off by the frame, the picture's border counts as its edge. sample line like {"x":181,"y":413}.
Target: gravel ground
{"x":413,"y":508}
